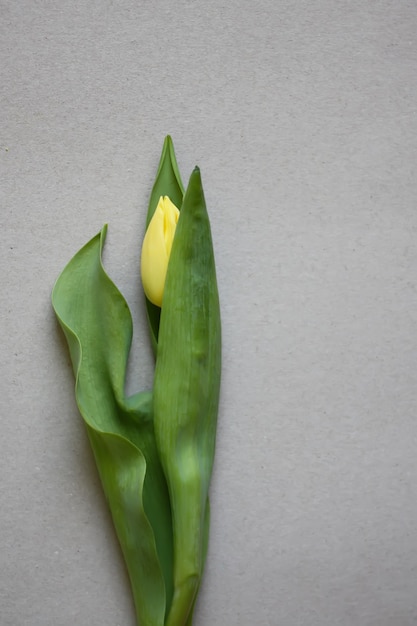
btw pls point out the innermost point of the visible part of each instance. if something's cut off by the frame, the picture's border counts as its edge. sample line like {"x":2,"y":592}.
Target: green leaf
{"x":186,"y":391}
{"x":206,"y":530}
{"x":98,"y":327}
{"x":168,"y":183}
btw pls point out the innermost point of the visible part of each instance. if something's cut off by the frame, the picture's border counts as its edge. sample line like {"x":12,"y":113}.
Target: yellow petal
{"x":156,"y":249}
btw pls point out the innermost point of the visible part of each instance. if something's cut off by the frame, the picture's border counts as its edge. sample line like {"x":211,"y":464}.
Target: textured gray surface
{"x":302,"y":117}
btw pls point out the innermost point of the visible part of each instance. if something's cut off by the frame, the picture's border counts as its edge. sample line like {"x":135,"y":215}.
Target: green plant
{"x":154,"y":450}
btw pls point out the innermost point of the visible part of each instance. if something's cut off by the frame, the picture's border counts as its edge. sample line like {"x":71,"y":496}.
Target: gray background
{"x":302,"y":117}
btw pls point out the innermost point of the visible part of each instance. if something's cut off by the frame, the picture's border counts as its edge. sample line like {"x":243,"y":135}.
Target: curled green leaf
{"x":98,"y":327}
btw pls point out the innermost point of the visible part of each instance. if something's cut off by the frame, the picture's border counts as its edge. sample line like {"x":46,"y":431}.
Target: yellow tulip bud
{"x":156,"y":249}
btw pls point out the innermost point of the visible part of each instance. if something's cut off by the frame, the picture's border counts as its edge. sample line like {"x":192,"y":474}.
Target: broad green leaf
{"x":167,"y":183}
{"x":186,"y":391}
{"x":98,"y":327}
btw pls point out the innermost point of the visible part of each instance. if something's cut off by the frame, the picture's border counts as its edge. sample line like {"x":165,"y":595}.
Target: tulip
{"x":154,"y":449}
{"x":156,"y":249}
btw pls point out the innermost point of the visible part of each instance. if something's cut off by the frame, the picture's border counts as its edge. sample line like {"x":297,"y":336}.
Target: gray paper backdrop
{"x":303,"y":119}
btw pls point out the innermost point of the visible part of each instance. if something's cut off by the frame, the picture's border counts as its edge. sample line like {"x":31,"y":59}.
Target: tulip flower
{"x":157,"y":248}
{"x":154,"y":450}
